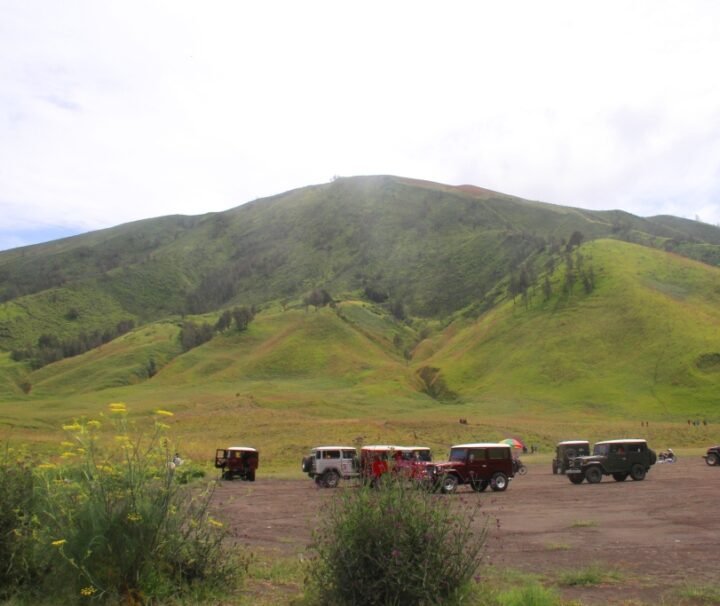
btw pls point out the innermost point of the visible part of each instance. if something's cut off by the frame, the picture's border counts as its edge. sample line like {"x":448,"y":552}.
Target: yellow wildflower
{"x":118,"y":407}
{"x":73,"y":427}
{"x":216,"y":523}
{"x":162,"y":425}
{"x":134,"y":517}
{"x":165,"y":413}
{"x":93,"y":424}
{"x":87,"y":591}
{"x":67,"y":455}
{"x":47,"y":466}
{"x":59,"y":542}
{"x":67,"y":444}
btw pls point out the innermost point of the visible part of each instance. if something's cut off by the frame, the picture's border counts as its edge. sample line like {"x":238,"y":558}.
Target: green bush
{"x":396,"y":545}
{"x":16,"y":523}
{"x":118,"y":524}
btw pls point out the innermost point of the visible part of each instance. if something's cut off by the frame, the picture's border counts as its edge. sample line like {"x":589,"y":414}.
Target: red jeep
{"x":237,"y":462}
{"x":480,"y":465}
{"x":413,"y":462}
{"x":377,"y":460}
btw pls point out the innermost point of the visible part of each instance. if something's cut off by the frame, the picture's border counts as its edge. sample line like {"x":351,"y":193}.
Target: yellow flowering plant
{"x":158,"y":539}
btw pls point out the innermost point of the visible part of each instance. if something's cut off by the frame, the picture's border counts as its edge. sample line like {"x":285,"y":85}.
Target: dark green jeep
{"x":566,"y":451}
{"x":616,"y":458}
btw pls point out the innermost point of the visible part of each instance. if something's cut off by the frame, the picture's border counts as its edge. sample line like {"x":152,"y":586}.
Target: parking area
{"x":657,"y":535}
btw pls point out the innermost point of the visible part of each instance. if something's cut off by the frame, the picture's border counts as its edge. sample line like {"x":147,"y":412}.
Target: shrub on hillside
{"x":119,"y":525}
{"x":395,"y":545}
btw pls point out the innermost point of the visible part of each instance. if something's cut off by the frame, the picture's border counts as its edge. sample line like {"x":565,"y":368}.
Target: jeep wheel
{"x":593,"y":475}
{"x":576,"y":478}
{"x":251,"y":476}
{"x":448,"y":484}
{"x":637,"y":472}
{"x":555,"y":468}
{"x":620,"y":477}
{"x":712,"y":459}
{"x":499,"y":482}
{"x":331,"y":479}
{"x":480,"y":485}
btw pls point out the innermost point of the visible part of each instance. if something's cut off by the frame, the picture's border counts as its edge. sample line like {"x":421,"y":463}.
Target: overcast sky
{"x":114,"y":111}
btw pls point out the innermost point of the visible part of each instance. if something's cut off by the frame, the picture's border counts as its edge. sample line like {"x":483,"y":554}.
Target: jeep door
{"x":617,"y":459}
{"x":476,"y":465}
{"x":347,"y":463}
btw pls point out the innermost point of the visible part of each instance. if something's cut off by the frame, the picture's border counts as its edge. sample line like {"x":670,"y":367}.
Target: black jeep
{"x":712,"y":456}
{"x":567,"y":450}
{"x":616,"y":458}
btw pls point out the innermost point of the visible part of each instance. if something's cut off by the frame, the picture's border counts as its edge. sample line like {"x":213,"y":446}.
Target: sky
{"x":114,"y":111}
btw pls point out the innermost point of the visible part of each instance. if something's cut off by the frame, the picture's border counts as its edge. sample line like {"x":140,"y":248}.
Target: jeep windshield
{"x":601,"y":449}
{"x":458,"y":454}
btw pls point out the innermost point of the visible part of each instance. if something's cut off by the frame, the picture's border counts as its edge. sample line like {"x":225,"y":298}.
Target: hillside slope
{"x":430,"y":248}
{"x":644,"y":341}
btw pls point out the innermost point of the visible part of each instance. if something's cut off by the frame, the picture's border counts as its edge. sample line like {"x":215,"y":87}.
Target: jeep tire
{"x":499,"y":482}
{"x":593,"y":475}
{"x":576,"y":478}
{"x":555,"y":468}
{"x":448,"y":484}
{"x":637,"y":472}
{"x":331,"y":479}
{"x":620,"y":477}
{"x":712,"y":459}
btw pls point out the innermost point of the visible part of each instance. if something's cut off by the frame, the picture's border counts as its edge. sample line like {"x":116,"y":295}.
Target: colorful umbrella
{"x":513,"y":443}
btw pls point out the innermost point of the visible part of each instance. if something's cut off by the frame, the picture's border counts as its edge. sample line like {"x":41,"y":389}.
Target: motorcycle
{"x":667,"y":456}
{"x":519,"y":467}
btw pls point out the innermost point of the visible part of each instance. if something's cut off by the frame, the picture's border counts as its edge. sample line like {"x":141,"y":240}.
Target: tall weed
{"x":396,"y":545}
{"x":119,"y":525}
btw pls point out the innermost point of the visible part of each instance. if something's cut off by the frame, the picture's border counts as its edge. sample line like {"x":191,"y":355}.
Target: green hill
{"x":446,"y":303}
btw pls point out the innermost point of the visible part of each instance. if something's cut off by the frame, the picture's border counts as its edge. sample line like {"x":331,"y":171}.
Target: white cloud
{"x":119,"y":111}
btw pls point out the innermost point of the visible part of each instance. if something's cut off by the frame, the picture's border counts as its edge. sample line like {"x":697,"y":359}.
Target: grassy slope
{"x":631,"y":346}
{"x":584,"y":365}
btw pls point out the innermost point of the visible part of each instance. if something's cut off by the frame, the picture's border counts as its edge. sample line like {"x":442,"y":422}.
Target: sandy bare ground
{"x":658,"y":535}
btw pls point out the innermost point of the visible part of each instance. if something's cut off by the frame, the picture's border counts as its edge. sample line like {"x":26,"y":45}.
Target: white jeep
{"x":328,"y":464}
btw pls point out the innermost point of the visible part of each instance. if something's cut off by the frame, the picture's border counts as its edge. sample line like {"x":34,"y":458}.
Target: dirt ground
{"x":658,"y":535}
